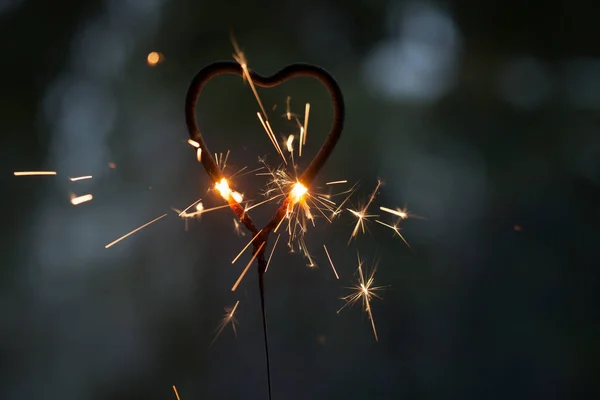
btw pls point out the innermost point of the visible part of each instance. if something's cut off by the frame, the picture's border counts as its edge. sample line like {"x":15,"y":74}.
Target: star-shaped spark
{"x":364,"y":290}
{"x":362,"y":214}
{"x":229,"y":317}
{"x":401,"y":214}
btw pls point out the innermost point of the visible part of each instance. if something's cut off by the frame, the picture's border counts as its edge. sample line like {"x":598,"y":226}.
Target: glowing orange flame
{"x":223,"y":187}
{"x":298,"y":192}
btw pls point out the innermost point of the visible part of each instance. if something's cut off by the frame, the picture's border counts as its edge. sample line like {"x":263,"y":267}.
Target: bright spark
{"x":278,"y":225}
{"x":176,"y":394}
{"x":349,"y":194}
{"x":241,"y":59}
{"x":301,"y":202}
{"x":133,"y":231}
{"x":365,"y":291}
{"x":246,"y":246}
{"x":288,"y":112}
{"x":181,"y":213}
{"x":34,"y":173}
{"x":247,"y":267}
{"x":336,"y":182}
{"x":226,"y":158}
{"x":398,"y":212}
{"x":76,"y":200}
{"x":362,"y":216}
{"x":194,"y":143}
{"x":243,"y":168}
{"x":80,"y":178}
{"x":395,"y":229}
{"x":271,"y":135}
{"x":287,"y":108}
{"x":304,"y":249}
{"x":272,"y":251}
{"x":227,"y":318}
{"x":331,"y":263}
{"x":237,"y":228}
{"x":204,"y":211}
{"x":188,"y":215}
{"x":305,"y":130}
{"x":263,"y":202}
{"x":237,"y":196}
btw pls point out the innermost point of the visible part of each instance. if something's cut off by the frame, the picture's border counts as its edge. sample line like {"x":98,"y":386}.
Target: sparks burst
{"x":304,"y":205}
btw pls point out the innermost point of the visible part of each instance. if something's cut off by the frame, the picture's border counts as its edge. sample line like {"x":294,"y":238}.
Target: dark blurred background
{"x":482,"y":117}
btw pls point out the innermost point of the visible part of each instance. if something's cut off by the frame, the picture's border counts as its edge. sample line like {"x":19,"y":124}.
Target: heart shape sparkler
{"x":212,"y":168}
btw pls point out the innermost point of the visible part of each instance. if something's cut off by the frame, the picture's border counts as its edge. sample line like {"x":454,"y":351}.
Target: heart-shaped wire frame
{"x":212,"y":168}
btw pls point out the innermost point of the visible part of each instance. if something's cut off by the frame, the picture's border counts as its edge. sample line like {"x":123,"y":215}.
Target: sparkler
{"x":300,"y":188}
{"x":294,"y":193}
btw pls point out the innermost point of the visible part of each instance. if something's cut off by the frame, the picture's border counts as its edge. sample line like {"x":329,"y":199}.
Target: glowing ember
{"x":154,"y":58}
